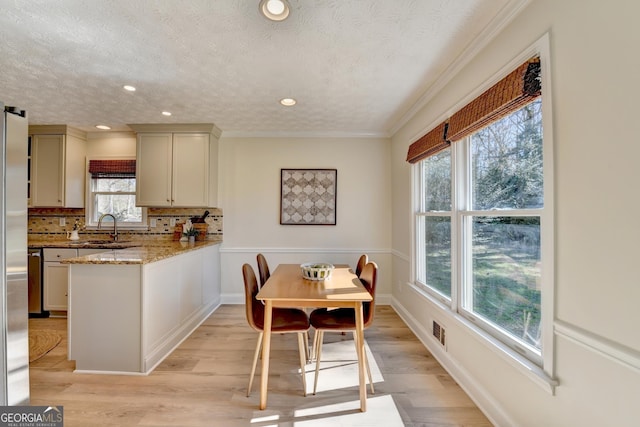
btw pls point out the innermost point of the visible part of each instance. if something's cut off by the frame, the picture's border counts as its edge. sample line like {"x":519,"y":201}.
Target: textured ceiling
{"x":355,"y":66}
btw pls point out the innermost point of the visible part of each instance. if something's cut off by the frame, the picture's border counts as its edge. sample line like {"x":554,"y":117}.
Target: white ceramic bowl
{"x":316,"y":270}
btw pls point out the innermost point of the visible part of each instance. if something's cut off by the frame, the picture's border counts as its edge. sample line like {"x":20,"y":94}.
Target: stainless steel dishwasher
{"x":35,"y":284}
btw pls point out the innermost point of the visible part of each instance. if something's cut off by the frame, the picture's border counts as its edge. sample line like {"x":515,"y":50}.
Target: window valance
{"x":517,"y":89}
{"x":112,"y":168}
{"x":430,"y":144}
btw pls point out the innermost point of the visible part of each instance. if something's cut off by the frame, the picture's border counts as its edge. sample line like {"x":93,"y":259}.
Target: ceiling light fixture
{"x":103,"y":127}
{"x":166,"y":113}
{"x":275,"y":10}
{"x":288,"y":102}
{"x":129,"y":88}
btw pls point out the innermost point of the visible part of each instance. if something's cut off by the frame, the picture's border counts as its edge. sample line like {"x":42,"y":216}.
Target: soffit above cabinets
{"x":355,"y":67}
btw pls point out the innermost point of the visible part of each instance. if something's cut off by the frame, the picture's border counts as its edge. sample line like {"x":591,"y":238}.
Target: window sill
{"x":530,"y":370}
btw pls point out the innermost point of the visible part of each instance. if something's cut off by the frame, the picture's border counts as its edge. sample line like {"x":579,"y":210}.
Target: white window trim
{"x":544,"y":375}
{"x":92,"y":226}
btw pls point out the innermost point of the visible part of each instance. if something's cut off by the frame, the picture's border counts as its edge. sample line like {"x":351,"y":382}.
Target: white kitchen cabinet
{"x":56,"y":276}
{"x":143,"y":310}
{"x":57,"y":166}
{"x":176,"y":168}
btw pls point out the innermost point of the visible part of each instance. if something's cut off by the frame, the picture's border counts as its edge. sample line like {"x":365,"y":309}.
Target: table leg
{"x":360,"y":351}
{"x":266,"y":348}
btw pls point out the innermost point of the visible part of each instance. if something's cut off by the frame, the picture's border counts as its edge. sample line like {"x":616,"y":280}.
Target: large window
{"x":481,"y":217}
{"x":112,"y":190}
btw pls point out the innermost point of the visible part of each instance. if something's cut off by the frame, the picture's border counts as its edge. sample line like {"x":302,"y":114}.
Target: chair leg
{"x":366,"y":362}
{"x":312,"y":352}
{"x":307,"y":351}
{"x":318,"y":347}
{"x":303,"y":349}
{"x":255,"y":362}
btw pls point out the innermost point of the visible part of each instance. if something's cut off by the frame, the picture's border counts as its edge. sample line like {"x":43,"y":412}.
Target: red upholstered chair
{"x":362,"y":261}
{"x":284,"y":320}
{"x":263,"y":269}
{"x":344,"y":319}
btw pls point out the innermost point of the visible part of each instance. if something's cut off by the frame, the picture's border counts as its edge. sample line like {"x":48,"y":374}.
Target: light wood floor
{"x":203,"y":382}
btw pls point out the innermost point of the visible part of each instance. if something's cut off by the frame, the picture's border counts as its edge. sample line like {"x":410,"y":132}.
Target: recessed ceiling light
{"x":288,"y":102}
{"x":166,"y":113}
{"x":275,"y":10}
{"x":103,"y":127}
{"x":129,"y":88}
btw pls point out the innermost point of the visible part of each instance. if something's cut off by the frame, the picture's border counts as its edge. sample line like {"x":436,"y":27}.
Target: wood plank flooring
{"x":203,"y":382}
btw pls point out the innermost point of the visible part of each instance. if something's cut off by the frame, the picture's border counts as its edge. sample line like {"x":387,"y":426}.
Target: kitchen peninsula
{"x":129,"y":308}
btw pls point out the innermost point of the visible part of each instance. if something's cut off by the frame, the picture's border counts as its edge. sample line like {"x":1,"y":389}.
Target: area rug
{"x":41,"y":342}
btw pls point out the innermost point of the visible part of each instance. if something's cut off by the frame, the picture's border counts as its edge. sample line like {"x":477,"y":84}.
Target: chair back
{"x":362,"y":261}
{"x":369,"y":278}
{"x":253,"y":308}
{"x":263,"y":269}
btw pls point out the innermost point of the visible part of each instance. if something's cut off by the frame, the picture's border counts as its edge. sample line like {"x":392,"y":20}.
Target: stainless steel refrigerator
{"x":14,"y":317}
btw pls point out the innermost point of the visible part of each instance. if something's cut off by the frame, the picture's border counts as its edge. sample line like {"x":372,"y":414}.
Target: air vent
{"x":438,"y":332}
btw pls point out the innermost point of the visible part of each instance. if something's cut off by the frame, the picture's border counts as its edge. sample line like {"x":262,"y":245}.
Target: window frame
{"x":542,"y":367}
{"x":90,"y":200}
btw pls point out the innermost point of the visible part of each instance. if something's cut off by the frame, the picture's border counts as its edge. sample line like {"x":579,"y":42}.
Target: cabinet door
{"x":47,"y":174}
{"x":56,"y":286}
{"x":191,"y":169}
{"x":153,"y":169}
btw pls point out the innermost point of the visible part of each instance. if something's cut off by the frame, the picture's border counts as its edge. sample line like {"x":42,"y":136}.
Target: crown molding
{"x":303,"y":134}
{"x":176,"y":127}
{"x":497,"y":24}
{"x":57,"y":130}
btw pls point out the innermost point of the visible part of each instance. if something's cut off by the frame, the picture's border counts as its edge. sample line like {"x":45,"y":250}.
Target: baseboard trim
{"x":480,"y":396}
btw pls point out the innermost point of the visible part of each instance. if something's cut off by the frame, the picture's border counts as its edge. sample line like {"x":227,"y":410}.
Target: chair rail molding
{"x":607,"y":348}
{"x":241,"y":250}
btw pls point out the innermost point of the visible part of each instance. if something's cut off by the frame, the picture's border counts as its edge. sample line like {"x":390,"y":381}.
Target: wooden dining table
{"x":287,"y":287}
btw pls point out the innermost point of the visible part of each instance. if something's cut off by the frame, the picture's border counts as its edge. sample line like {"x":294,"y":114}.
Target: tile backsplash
{"x":44,"y":223}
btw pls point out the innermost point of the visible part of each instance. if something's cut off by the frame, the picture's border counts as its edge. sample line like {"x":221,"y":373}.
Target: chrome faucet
{"x":115,"y":225}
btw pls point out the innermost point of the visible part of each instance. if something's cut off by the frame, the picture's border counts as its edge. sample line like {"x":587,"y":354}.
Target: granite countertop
{"x":126,"y":252}
{"x":88,"y":244}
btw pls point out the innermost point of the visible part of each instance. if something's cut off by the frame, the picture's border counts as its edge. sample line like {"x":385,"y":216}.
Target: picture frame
{"x":308,"y":196}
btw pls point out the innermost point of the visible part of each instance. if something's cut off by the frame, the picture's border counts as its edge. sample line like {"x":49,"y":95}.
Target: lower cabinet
{"x":142,"y":310}
{"x":56,"y":277}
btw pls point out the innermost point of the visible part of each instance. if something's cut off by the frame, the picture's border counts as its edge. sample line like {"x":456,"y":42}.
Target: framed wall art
{"x":308,"y":196}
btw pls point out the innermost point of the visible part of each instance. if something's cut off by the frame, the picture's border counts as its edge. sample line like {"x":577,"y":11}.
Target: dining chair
{"x":284,"y":320}
{"x":344,"y":319}
{"x":362,"y":261}
{"x":263,"y":269}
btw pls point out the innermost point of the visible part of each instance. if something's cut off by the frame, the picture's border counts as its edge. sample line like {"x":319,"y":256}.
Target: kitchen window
{"x":112,"y":190}
{"x":484,"y":219}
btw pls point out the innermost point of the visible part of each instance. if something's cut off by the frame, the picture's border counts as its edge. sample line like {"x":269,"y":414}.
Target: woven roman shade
{"x":517,"y":89}
{"x":112,"y":169}
{"x":431,"y":143}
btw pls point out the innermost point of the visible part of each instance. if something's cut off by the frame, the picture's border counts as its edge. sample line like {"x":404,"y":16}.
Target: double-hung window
{"x":483,"y":222}
{"x":112,"y":190}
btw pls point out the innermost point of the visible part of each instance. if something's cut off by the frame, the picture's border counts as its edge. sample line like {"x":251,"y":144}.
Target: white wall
{"x":250,"y":199}
{"x":594,"y":70}
{"x":111,"y":144}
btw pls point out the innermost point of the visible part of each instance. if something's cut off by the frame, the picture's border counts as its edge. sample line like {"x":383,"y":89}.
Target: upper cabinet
{"x":176,"y":165}
{"x":57,"y":171}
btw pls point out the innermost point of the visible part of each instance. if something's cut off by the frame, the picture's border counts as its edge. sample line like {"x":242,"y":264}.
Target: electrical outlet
{"x":153,"y":223}
{"x":172,"y":222}
{"x":63,"y":221}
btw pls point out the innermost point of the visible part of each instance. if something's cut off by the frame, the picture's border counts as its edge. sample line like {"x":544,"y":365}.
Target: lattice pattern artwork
{"x":308,"y":196}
